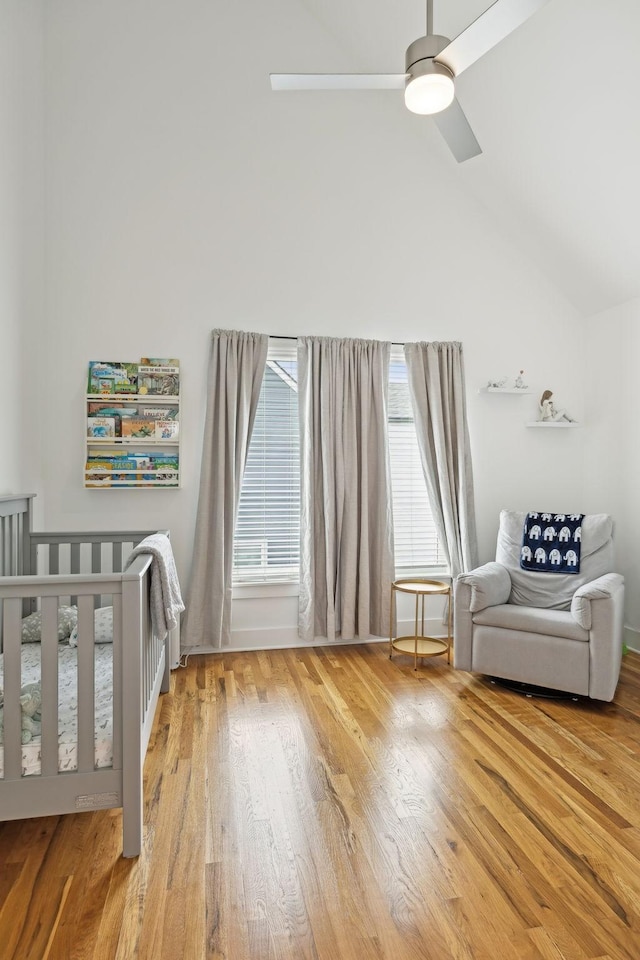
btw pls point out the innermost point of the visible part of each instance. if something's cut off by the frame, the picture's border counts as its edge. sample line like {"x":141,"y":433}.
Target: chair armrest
{"x":490,"y":585}
{"x":483,"y":587}
{"x":606,"y":608}
{"x":603,"y":588}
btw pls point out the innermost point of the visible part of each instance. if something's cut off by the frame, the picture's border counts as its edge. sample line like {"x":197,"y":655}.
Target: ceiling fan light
{"x":429,"y":93}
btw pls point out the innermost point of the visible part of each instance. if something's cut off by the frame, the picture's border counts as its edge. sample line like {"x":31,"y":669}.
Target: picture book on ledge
{"x":131,"y":470}
{"x":159,"y":379}
{"x":139,"y":427}
{"x":166,"y":429}
{"x":111,"y":376}
{"x":150,"y":376}
{"x":101,"y":408}
{"x":160,"y":413}
{"x":101,"y":427}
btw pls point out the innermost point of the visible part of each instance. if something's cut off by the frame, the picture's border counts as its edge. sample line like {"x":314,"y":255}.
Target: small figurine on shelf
{"x":519,"y":382}
{"x":496,"y":384}
{"x":548,"y":410}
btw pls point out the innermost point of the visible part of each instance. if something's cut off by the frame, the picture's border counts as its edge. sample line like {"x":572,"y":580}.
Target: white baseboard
{"x":286,"y":638}
{"x":632,"y":639}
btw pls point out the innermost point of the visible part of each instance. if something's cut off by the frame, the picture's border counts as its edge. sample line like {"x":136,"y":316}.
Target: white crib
{"x":138,"y":671}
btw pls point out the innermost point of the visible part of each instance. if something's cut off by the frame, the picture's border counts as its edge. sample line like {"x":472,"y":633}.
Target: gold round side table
{"x":419,"y":644}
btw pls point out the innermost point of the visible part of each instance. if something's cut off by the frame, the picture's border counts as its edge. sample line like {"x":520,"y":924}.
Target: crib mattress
{"x":68,"y":707}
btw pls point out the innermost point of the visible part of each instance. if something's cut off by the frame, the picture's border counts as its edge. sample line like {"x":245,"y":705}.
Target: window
{"x":415,"y":538}
{"x":267,"y":539}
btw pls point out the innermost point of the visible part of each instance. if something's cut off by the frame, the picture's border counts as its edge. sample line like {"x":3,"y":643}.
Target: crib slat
{"x":117,"y":682}
{"x":12,"y":682}
{"x":11,"y":539}
{"x":146,"y":668}
{"x":15,"y":543}
{"x":5,"y":547}
{"x":96,"y":567}
{"x":49,"y":684}
{"x":117,"y":558}
{"x":151,"y":654}
{"x":86,"y":686}
{"x":54,"y":558}
{"x":24,"y":556}
{"x":74,"y":564}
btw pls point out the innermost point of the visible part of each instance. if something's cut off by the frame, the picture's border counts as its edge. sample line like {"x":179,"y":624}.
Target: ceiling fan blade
{"x":338,"y":81}
{"x":496,"y":23}
{"x":454,"y":127}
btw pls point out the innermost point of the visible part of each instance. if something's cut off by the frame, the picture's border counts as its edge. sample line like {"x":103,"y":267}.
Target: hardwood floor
{"x":332,"y":804}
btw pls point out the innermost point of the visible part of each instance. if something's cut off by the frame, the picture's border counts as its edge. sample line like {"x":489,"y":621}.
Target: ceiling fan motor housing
{"x":419,"y":58}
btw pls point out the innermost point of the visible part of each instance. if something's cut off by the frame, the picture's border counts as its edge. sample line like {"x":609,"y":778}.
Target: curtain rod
{"x":278,"y":336}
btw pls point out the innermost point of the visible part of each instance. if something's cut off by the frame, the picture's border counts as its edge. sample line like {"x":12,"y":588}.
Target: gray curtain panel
{"x":436,"y":385}
{"x":236,"y":369}
{"x":346,"y":562}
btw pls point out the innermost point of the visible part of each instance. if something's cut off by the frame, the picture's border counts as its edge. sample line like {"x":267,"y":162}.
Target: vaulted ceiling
{"x":555,"y":108}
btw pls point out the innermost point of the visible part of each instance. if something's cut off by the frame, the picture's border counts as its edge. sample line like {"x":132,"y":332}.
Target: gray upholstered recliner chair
{"x":562,"y":631}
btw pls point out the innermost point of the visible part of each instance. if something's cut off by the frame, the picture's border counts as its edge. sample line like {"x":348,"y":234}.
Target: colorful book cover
{"x":167,"y":429}
{"x":125,"y":472}
{"x":101,"y":427}
{"x":98,"y":408}
{"x":136,"y":470}
{"x":166,"y":470}
{"x":140,"y":427}
{"x":142,"y":461}
{"x":160,"y":362}
{"x":160,"y":413}
{"x":98,"y":472}
{"x":142,"y":466}
{"x":112,"y":376}
{"x":159,"y":380}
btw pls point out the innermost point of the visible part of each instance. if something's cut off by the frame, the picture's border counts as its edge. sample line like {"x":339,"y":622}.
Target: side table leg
{"x":415,"y":637}
{"x":391,"y":599}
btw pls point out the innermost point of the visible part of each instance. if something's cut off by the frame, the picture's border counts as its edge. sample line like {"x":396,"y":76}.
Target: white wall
{"x":183,"y":195}
{"x":21,"y":235}
{"x":612,"y":459}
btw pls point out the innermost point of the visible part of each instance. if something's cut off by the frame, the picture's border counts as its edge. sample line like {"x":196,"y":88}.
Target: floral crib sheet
{"x":68,"y":705}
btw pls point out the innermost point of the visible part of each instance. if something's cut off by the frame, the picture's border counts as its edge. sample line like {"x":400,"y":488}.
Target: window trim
{"x":254,"y":591}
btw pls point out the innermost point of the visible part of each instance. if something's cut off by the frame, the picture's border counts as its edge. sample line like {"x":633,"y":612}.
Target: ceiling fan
{"x":432,"y":64}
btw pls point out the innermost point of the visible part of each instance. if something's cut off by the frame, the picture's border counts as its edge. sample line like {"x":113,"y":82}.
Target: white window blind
{"x":415,"y":538}
{"x":267,"y":538}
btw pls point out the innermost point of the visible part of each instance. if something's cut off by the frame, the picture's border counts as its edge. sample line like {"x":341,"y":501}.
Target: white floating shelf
{"x":554,"y":424}
{"x":522,"y":393}
{"x":120,"y":398}
{"x":131,"y":442}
